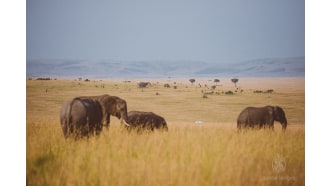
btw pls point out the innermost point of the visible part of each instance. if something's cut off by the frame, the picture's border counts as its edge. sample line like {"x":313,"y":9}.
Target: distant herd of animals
{"x":86,"y":116}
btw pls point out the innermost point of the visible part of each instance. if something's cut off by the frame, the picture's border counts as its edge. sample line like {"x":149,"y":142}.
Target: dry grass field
{"x":210,"y":152}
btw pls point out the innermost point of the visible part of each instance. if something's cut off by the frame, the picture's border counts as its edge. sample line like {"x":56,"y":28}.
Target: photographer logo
{"x":279,"y":163}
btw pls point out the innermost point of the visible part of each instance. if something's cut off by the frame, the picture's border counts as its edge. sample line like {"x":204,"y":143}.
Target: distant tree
{"x":216,"y":81}
{"x":192,"y":81}
{"x":41,"y":78}
{"x":143,"y":85}
{"x":234,"y":80}
{"x":269,"y":91}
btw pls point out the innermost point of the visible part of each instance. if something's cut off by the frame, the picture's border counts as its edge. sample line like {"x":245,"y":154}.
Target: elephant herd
{"x":87,"y":115}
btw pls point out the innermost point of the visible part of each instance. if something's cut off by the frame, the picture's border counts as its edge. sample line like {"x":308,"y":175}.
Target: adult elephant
{"x":81,"y":117}
{"x":111,"y":105}
{"x":145,"y":121}
{"x":261,"y":117}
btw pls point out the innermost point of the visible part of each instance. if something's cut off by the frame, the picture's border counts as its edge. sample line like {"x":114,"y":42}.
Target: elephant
{"x":111,"y":105}
{"x":261,"y":117}
{"x":81,"y":117}
{"x":145,"y":121}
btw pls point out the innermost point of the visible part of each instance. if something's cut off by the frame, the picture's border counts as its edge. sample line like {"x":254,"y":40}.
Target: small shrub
{"x":167,"y":85}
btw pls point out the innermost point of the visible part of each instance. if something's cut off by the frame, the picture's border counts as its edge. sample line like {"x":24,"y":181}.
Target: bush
{"x":44,"y":78}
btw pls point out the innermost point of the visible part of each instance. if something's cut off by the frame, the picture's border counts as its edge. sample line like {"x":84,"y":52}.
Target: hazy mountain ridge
{"x":270,"y":67}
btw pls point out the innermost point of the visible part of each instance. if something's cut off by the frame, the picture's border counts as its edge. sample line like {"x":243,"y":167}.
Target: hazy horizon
{"x":268,"y":67}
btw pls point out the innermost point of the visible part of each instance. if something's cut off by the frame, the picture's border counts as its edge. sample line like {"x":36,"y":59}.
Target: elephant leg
{"x":264,"y":125}
{"x":98,"y":129}
{"x":84,"y":131}
{"x":71,"y":129}
{"x":107,"y":121}
{"x":76,"y":133}
{"x":129,"y":129}
{"x":91,"y":130}
{"x":66,"y":130}
{"x":272,"y":126}
{"x":152,"y":128}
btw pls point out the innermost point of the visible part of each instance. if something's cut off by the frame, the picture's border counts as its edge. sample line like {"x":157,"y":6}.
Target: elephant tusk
{"x":123,"y":121}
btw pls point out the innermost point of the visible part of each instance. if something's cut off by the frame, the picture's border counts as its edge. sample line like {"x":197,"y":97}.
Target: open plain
{"x":201,"y":147}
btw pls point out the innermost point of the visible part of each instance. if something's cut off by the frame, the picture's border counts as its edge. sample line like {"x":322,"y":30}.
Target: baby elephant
{"x":145,"y":121}
{"x":261,"y":117}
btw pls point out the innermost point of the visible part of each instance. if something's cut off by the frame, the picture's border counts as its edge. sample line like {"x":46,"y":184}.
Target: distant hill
{"x":270,"y":67}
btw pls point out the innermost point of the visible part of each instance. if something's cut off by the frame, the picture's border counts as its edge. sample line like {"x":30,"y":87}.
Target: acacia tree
{"x":234,"y":80}
{"x":192,"y":81}
{"x":143,"y":85}
{"x":216,"y":81}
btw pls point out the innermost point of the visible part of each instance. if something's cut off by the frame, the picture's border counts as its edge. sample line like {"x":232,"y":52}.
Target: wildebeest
{"x":261,"y":117}
{"x":81,"y":117}
{"x":145,"y":121}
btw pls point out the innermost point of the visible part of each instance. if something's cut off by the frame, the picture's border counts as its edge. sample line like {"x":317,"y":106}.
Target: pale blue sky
{"x":211,"y":31}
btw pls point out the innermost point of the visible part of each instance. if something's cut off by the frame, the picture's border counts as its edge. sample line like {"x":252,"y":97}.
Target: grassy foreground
{"x":211,"y":153}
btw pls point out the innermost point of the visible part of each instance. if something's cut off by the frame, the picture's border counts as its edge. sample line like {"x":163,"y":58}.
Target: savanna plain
{"x":201,"y":147}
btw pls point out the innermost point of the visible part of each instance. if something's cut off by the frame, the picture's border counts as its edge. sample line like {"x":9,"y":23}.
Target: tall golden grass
{"x":211,"y":153}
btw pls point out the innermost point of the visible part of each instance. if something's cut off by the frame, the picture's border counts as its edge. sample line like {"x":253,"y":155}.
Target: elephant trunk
{"x":124,"y":119}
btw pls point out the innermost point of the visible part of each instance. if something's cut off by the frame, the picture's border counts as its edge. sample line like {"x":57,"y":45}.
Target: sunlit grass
{"x":211,"y":153}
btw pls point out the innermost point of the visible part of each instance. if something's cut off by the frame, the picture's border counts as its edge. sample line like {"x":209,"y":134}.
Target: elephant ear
{"x":270,"y":110}
{"x":119,"y":106}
